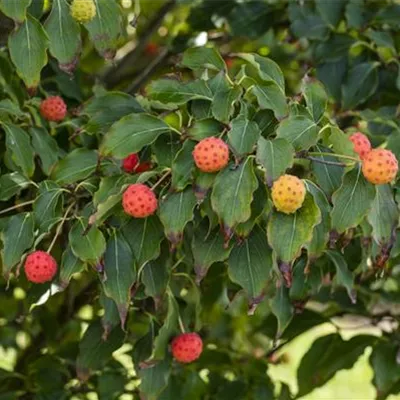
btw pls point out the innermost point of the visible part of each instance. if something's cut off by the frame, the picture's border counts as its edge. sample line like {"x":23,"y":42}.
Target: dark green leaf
{"x":12,"y":184}
{"x":243,"y":135}
{"x":70,"y":265}
{"x":223,"y":105}
{"x":282,"y":308}
{"x":182,"y":166}
{"x":316,"y":98}
{"x":16,"y":10}
{"x":154,"y":379}
{"x":45,"y":147}
{"x":203,"y":128}
{"x":271,"y":97}
{"x":165,"y":148}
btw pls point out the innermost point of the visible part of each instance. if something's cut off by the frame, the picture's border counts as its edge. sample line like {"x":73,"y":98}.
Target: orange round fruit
{"x":380,"y":166}
{"x":211,"y":154}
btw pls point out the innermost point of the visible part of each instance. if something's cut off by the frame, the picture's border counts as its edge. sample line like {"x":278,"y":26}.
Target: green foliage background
{"x":285,"y":83}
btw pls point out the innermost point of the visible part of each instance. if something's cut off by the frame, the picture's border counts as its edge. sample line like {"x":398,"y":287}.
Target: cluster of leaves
{"x":217,"y":249}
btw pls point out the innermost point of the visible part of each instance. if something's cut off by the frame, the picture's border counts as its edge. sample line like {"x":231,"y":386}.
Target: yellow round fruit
{"x":288,"y":193}
{"x":83,"y":10}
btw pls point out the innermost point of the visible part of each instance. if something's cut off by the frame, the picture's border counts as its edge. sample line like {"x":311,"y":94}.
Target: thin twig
{"x":16,"y":206}
{"x":59,"y":228}
{"x":322,"y":154}
{"x":321,"y":161}
{"x":161,"y":180}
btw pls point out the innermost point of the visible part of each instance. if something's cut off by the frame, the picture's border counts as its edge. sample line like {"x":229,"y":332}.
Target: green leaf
{"x":15,"y":10}
{"x":223,"y":104}
{"x":289,"y":233}
{"x":154,"y":379}
{"x":328,"y":355}
{"x":361,"y":83}
{"x":243,"y":135}
{"x":328,"y":177}
{"x":165,"y":148}
{"x":386,"y":368}
{"x":9,"y":107}
{"x":330,"y":11}
{"x":70,"y":265}
{"x":108,"y":108}
{"x":203,"y":57}
{"x":271,"y":97}
{"x":316,"y":98}
{"x":267,"y":69}
{"x":207,"y":249}
{"x":299,"y":131}
{"x":203,"y":128}
{"x":94,"y":351}
{"x":144,"y":236}
{"x":341,"y":144}
{"x":110,"y":318}
{"x":48,"y":205}
{"x":131,"y":133}
{"x":343,"y":274}
{"x":19,"y":144}
{"x":175,"y":212}
{"x":352,"y":201}
{"x":46,"y":148}
{"x":76,"y":166}
{"x":105,"y":28}
{"x":28,"y":45}
{"x":169,"y":91}
{"x":320,"y":235}
{"x":275,"y":156}
{"x":64,"y":34}
{"x":119,"y":272}
{"x":17,"y":237}
{"x":250,"y":264}
{"x":12,"y":184}
{"x":182,"y":166}
{"x":384,"y":214}
{"x":233,"y":193}
{"x":332,"y":75}
{"x":167,"y":330}
{"x":88,"y":246}
{"x":282,"y":309}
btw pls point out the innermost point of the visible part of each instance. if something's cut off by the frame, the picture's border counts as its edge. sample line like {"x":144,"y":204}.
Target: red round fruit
{"x":187,"y":347}
{"x":151,"y":49}
{"x":211,"y":154}
{"x":139,"y":201}
{"x":143,"y":167}
{"x":40,"y":267}
{"x":362,"y":145}
{"x":130,"y":163}
{"x":53,"y":108}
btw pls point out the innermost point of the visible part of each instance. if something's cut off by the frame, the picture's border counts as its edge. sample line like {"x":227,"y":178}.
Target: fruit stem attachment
{"x":59,"y":228}
{"x":17,"y":206}
{"x":181,"y":326}
{"x":161,"y":180}
{"x":316,"y":153}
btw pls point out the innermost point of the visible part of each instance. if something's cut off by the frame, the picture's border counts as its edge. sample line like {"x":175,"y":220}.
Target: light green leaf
{"x":17,"y":237}
{"x":131,"y":133}
{"x":243,"y":135}
{"x":384,"y":215}
{"x":250,"y":264}
{"x":352,"y":201}
{"x":64,"y":34}
{"x":45,"y":147}
{"x":88,"y":246}
{"x":271,"y":97}
{"x":175,"y":212}
{"x":15,"y":9}
{"x":12,"y":184}
{"x":19,"y":144}
{"x":299,"y":131}
{"x":119,"y":273}
{"x":144,"y":236}
{"x":28,"y":45}
{"x":275,"y":156}
{"x":11,"y":108}
{"x":223,"y":104}
{"x":233,"y":193}
{"x":289,"y":233}
{"x":316,"y":98}
{"x":203,"y":57}
{"x":105,"y":28}
{"x":48,"y":205}
{"x":341,"y":144}
{"x":154,"y":379}
{"x":76,"y":166}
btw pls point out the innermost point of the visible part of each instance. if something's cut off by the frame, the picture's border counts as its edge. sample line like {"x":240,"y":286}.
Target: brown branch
{"x":115,"y":74}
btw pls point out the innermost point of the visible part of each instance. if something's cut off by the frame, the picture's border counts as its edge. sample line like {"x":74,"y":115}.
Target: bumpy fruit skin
{"x":380,"y":166}
{"x":211,"y":154}
{"x":362,"y":145}
{"x":187,"y":347}
{"x":83,"y":10}
{"x":288,"y":193}
{"x":40,"y":267}
{"x":130,"y":163}
{"x":139,"y":201}
{"x":53,"y":108}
